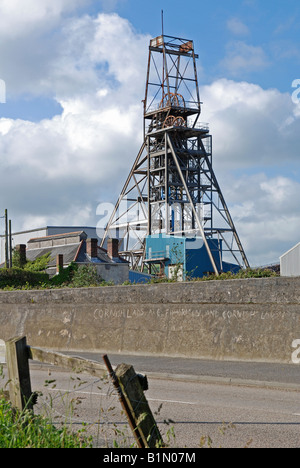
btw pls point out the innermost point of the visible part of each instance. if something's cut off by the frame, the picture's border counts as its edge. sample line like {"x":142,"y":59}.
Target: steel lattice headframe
{"x":172,"y":188}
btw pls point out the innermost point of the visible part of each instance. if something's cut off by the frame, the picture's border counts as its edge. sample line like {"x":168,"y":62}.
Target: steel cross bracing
{"x":172,"y":187}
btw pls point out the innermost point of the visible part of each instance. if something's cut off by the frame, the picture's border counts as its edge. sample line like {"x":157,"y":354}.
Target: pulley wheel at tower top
{"x":179,"y":122}
{"x":173,"y":121}
{"x":169,"y":122}
{"x":172,"y":100}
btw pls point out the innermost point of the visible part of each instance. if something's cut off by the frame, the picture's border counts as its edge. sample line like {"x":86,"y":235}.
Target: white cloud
{"x":253,"y":138}
{"x":243,"y":58}
{"x":251,"y":125}
{"x":57,"y":171}
{"x":237,"y":27}
{"x":22,"y":17}
{"x":110,"y":5}
{"x":32,"y":44}
{"x":62,"y":167}
{"x":267,"y":216}
{"x":84,"y":55}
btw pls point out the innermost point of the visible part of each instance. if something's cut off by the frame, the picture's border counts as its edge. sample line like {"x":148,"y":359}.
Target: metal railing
{"x":204,"y":126}
{"x":158,"y":254}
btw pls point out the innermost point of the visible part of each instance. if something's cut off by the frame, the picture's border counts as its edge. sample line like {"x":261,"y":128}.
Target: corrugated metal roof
{"x":71,"y":253}
{"x":68,"y":251}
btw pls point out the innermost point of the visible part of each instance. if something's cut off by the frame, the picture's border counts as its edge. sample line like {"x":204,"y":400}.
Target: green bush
{"x":85,"y":276}
{"x":77,"y":276}
{"x":18,"y":278}
{"x":247,"y":273}
{"x":65,"y":276}
{"x":74,"y":276}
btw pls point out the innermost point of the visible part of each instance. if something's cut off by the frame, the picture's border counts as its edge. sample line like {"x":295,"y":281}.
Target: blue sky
{"x":266,"y":34}
{"x":71,"y":125}
{"x":272,"y":26}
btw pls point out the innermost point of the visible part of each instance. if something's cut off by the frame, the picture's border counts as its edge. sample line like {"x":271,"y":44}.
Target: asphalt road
{"x":195,"y":370}
{"x":195,"y":403}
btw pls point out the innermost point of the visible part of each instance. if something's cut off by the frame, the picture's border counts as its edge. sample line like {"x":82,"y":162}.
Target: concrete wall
{"x":257,"y":319}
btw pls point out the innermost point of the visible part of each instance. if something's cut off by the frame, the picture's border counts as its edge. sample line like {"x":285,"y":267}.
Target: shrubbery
{"x":32,"y":275}
{"x":78,"y":276}
{"x":29,"y":277}
{"x":18,"y":278}
{"x":248,"y":273}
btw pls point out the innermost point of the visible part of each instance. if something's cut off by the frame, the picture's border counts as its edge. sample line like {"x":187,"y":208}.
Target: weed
{"x":26,"y":430}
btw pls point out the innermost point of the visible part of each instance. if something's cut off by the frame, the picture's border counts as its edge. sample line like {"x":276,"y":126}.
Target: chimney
{"x":92,"y":247}
{"x":113,"y":248}
{"x":59,"y":263}
{"x":21,"y":249}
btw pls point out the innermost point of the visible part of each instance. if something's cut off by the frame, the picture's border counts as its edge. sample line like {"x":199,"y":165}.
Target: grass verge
{"x":26,"y":430}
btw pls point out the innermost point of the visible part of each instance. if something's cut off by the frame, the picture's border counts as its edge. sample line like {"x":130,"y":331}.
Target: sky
{"x":72,"y":78}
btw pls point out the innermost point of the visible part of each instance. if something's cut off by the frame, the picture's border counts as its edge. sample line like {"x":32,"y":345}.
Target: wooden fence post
{"x":138,"y":406}
{"x":18,"y":372}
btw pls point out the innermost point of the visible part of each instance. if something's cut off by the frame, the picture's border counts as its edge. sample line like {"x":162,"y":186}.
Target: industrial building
{"x":22,"y":237}
{"x":178,"y":257}
{"x":78,"y":248}
{"x":81,"y":245}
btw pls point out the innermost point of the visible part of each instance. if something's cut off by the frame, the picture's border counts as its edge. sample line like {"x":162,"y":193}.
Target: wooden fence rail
{"x":126,"y":381}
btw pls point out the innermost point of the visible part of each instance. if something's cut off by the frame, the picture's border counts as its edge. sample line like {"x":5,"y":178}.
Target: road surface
{"x":195,"y":403}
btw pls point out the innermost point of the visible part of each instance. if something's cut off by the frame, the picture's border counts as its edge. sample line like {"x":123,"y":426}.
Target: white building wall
{"x":290,"y":262}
